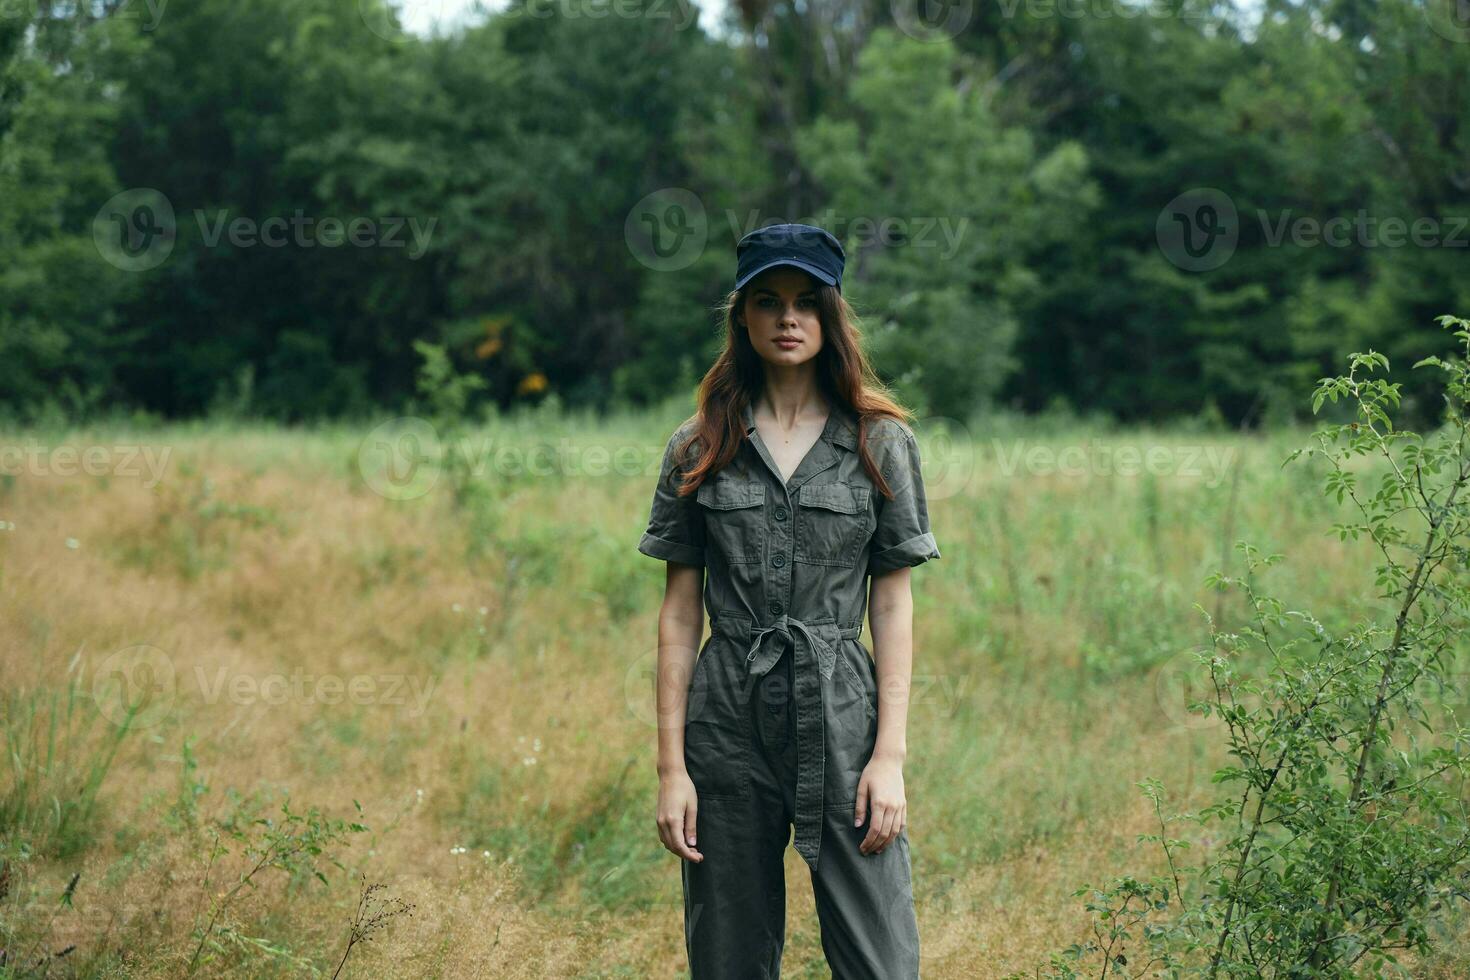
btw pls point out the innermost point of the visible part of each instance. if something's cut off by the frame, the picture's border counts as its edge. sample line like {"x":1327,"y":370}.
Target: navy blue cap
{"x":804,"y":246}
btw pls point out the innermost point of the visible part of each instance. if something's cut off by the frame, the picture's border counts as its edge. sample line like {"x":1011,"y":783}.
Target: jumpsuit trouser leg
{"x":735,"y":899}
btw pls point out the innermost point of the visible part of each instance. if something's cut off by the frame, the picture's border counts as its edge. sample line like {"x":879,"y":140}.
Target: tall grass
{"x":58,"y":752}
{"x":515,"y":809}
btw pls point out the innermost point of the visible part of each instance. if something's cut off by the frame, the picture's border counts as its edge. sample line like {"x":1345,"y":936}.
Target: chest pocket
{"x":832,"y":523}
{"x":734,"y":517}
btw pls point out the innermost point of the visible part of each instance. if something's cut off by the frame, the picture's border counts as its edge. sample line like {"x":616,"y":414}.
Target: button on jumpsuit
{"x":782,"y":702}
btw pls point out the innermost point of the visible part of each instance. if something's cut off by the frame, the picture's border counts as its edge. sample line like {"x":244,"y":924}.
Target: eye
{"x":809,"y":302}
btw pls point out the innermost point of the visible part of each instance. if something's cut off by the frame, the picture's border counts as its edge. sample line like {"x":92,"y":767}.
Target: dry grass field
{"x":294,"y":625}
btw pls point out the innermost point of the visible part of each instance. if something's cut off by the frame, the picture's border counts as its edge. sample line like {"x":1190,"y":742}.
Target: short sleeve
{"x":675,"y":524}
{"x":902,"y":536}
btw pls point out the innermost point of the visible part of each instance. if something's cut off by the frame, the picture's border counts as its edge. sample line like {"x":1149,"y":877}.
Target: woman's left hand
{"x":880,"y":800}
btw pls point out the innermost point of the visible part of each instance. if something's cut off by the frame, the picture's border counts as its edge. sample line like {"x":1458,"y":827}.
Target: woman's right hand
{"x":678,"y":807}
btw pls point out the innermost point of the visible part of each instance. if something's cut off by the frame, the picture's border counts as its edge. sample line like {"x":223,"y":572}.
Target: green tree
{"x":975,"y":203}
{"x":59,"y":333}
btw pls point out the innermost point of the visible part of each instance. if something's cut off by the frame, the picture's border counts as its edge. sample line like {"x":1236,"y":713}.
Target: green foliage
{"x":974,"y":208}
{"x":193,"y":531}
{"x":1342,"y":836}
{"x":297,"y":846}
{"x":497,"y":168}
{"x":58,"y":752}
{"x":445,"y":396}
{"x":59,"y":329}
{"x":183,"y":814}
{"x":445,"y":392}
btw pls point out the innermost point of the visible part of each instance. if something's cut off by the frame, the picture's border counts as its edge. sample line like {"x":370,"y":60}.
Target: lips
{"x":788,"y":341}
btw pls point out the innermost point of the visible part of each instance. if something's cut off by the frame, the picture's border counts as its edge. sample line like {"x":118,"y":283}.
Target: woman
{"x":795,"y":486}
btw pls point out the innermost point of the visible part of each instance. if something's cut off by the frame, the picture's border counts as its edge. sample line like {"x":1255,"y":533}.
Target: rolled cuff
{"x":914,"y":551}
{"x":662,"y":548}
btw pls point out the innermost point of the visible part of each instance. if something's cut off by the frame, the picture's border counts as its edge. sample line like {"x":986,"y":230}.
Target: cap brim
{"x":805,"y":267}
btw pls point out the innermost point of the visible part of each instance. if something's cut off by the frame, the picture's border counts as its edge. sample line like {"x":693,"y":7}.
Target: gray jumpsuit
{"x":783,"y":702}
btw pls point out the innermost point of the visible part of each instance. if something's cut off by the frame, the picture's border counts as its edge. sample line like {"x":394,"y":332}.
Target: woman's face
{"x":781,"y":316}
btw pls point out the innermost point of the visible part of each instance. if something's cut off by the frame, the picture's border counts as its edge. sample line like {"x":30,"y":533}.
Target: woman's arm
{"x":880,"y":796}
{"x":680,"y":627}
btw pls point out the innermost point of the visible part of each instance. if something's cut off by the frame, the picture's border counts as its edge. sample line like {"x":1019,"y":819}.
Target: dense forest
{"x":1140,"y":209}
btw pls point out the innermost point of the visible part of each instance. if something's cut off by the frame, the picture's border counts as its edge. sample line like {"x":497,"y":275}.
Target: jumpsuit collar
{"x":840,"y":430}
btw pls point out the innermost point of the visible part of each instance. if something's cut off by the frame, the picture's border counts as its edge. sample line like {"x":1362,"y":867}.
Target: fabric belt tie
{"x":813,"y":665}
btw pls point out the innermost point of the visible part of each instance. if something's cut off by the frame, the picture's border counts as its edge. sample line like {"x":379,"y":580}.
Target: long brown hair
{"x":735,"y":380}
